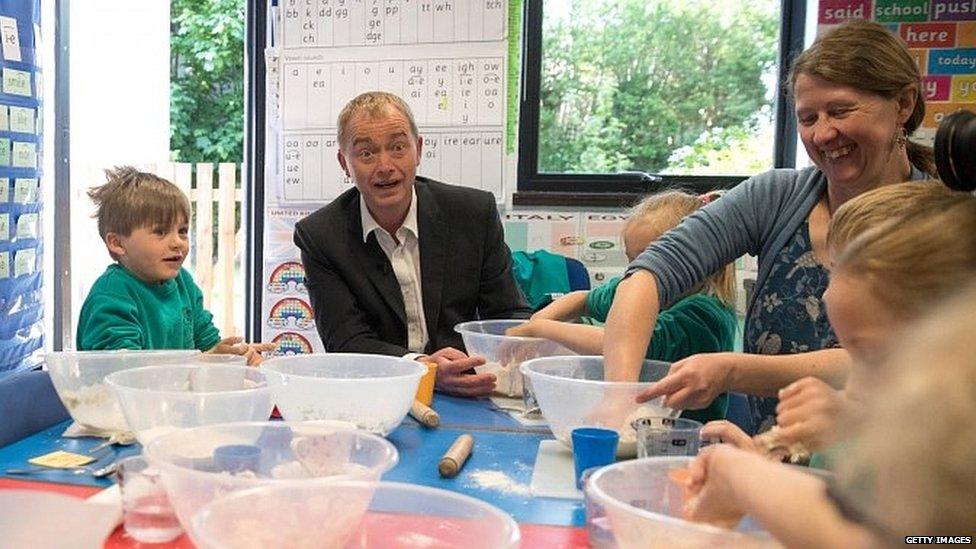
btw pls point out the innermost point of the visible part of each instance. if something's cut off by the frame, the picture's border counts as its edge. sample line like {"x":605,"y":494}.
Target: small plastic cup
{"x":146,"y":512}
{"x":425,"y":391}
{"x":593,"y":447}
{"x":665,"y":436}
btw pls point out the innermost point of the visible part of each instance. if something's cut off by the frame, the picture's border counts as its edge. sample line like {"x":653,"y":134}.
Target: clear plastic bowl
{"x":79,"y":379}
{"x":159,"y":399}
{"x":373,"y":392}
{"x":643,"y":506}
{"x":190,"y":465}
{"x":352,"y":515}
{"x":571,"y":393}
{"x":505,"y":354}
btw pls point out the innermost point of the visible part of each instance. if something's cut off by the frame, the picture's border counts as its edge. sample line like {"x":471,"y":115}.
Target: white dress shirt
{"x":404,"y":255}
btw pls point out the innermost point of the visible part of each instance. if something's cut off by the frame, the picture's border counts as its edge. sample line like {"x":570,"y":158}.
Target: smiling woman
{"x":858,"y":98}
{"x":857,"y":106}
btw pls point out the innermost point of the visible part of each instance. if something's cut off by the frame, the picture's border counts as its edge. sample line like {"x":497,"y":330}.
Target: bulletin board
{"x":941,"y":36}
{"x":455,"y":64}
{"x":21,"y":302}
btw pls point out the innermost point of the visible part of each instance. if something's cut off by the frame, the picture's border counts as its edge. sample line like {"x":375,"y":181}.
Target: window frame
{"x":612,"y":190}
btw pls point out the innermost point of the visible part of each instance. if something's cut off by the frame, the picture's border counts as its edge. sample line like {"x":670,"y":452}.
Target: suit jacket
{"x":465,"y":271}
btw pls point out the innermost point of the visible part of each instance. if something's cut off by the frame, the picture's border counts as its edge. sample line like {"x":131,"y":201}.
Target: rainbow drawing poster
{"x":941,"y":36}
{"x":286,"y":277}
{"x":291,"y":312}
{"x":291,"y":343}
{"x":285,"y":312}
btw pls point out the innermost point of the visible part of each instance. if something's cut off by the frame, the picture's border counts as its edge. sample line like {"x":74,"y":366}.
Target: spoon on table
{"x":122,"y":438}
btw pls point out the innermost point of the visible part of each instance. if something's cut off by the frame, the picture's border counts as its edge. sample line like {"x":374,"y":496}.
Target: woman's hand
{"x":694,"y":382}
{"x":809,"y":412}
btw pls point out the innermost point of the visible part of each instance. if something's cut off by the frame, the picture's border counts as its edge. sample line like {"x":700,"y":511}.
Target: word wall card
{"x":941,"y":37}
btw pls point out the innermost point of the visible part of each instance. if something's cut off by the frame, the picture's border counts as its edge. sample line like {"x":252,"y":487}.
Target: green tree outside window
{"x":662,"y":86}
{"x":207,"y":80}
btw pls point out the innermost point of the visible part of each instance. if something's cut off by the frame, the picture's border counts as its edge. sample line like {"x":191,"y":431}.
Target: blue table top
{"x":499,"y":470}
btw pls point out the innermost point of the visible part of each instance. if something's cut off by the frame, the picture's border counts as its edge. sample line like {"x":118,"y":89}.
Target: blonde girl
{"x":920,"y":475}
{"x":702,"y":321}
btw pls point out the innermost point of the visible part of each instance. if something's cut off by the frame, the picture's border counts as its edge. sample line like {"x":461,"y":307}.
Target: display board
{"x":21,"y":300}
{"x":450,"y":60}
{"x":940,"y":34}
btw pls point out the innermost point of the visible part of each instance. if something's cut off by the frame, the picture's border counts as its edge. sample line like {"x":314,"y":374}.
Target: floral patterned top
{"x":789,"y":315}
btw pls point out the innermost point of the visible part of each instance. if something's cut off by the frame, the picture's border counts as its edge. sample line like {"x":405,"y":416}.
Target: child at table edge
{"x":703,"y":321}
{"x":146,"y":299}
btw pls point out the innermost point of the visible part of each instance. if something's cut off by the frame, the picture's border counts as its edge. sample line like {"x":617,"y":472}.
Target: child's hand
{"x":229,"y":346}
{"x":236,"y":346}
{"x":526,"y":329}
{"x":712,"y":499}
{"x":730,"y":433}
{"x":808,"y":413}
{"x":255,"y":352}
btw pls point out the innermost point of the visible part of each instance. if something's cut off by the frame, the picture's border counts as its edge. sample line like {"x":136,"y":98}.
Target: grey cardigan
{"x":757,"y":217}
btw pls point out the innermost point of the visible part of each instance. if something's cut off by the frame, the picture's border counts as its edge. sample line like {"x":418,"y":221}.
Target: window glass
{"x":660,"y":86}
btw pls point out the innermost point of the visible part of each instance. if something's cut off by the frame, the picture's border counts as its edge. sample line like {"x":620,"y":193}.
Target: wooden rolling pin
{"x":456,"y":455}
{"x":425,"y":414}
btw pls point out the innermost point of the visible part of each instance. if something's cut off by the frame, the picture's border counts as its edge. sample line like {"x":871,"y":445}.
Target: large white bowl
{"x":352,"y":515}
{"x":643,"y":506}
{"x":571,"y":393}
{"x":505,"y":354}
{"x":79,"y":379}
{"x":159,"y":399}
{"x":373,"y":392}
{"x":288,"y":453}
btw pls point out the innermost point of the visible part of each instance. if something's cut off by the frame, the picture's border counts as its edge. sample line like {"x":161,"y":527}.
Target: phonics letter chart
{"x":445,"y":58}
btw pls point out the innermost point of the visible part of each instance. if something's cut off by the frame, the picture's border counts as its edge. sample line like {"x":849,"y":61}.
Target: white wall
{"x":120,"y":59}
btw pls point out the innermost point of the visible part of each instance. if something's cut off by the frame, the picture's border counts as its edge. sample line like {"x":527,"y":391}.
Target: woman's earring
{"x":902,"y":138}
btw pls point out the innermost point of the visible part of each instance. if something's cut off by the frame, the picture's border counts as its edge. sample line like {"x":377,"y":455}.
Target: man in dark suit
{"x":392,"y":265}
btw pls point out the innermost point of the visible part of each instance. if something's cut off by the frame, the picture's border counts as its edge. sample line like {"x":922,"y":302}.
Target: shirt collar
{"x":370,"y":224}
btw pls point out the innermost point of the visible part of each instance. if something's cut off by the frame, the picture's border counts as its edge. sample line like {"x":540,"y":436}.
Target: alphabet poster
{"x":448,"y":59}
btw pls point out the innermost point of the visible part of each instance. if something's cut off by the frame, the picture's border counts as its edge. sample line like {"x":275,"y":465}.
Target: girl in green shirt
{"x":703,"y":321}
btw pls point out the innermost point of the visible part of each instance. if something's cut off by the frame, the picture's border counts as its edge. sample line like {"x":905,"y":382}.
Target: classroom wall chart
{"x":448,"y":59}
{"x":21,"y":297}
{"x":445,"y":58}
{"x":940,"y":34}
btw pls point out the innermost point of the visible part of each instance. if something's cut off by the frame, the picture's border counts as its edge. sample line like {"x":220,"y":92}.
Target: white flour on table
{"x":498,"y":481}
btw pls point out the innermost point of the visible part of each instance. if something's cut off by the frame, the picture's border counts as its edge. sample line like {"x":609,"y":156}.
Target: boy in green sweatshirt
{"x":146,"y":300}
